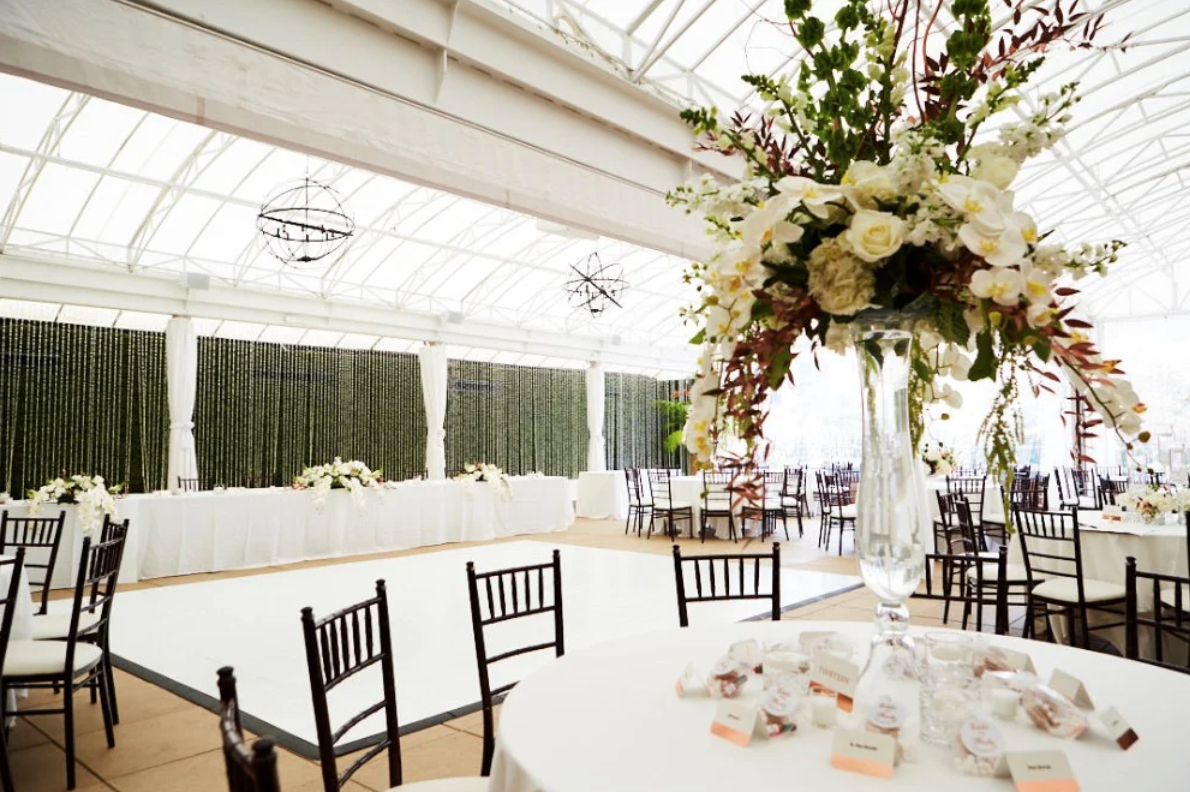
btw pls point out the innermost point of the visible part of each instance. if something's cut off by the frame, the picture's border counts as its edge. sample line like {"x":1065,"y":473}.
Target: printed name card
{"x":1111,"y":513}
{"x":1019,"y":661}
{"x":829,"y":672}
{"x":859,"y":751}
{"x":1118,"y":728}
{"x":1041,"y":771}
{"x":735,"y":721}
{"x":1072,"y":688}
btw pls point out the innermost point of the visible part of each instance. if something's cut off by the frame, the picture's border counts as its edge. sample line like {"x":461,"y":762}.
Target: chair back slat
{"x":523,"y":605}
{"x":188,"y":484}
{"x":13,"y":567}
{"x":1050,"y":545}
{"x":1170,"y":617}
{"x":340,"y":647}
{"x":249,"y":768}
{"x":41,"y":537}
{"x":720,"y":588}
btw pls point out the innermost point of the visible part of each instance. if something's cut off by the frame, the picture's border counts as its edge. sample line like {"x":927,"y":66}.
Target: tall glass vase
{"x":891,"y":510}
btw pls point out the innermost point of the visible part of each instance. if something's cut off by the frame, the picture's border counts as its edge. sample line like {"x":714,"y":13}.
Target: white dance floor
{"x":179,"y":635}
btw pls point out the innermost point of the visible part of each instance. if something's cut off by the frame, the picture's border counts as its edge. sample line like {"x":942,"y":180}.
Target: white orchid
{"x":353,"y":476}
{"x":817,"y":198}
{"x":484,"y":473}
{"x":1004,"y":286}
{"x":93,"y":499}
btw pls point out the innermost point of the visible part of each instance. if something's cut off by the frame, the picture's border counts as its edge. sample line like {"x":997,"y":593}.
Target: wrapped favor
{"x":979,"y":748}
{"x":787,"y":668}
{"x":748,"y":654}
{"x":888,"y":717}
{"x":778,"y":712}
{"x":727,"y":678}
{"x":1053,"y":713}
{"x":690,"y":683}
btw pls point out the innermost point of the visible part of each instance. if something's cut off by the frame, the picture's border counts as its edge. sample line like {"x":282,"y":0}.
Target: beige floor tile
{"x":43,"y":769}
{"x":473,"y":723}
{"x":206,"y":773}
{"x":25,"y":735}
{"x":374,"y":774}
{"x":457,"y":755}
{"x":138,"y":701}
{"x":151,"y":742}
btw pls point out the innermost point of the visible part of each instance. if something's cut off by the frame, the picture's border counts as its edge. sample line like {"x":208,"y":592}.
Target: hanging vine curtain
{"x":270,"y":410}
{"x":522,"y":419}
{"x":635,"y":427}
{"x":81,"y":400}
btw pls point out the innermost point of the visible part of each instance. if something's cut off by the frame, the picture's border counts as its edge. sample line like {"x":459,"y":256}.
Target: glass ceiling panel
{"x":98,"y":132}
{"x":56,"y":199}
{"x":38,"y":104}
{"x":115,"y":211}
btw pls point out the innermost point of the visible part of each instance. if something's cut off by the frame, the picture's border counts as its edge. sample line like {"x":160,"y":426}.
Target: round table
{"x":607,"y":718}
{"x":22,"y":620}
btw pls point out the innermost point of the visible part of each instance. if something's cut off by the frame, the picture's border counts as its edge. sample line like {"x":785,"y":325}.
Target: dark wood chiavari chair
{"x":17,"y":562}
{"x":503,"y":588}
{"x":793,"y":496}
{"x":71,"y":665}
{"x":259,"y":480}
{"x":977,"y":591}
{"x":713,"y":586}
{"x":56,"y":626}
{"x":338,"y":647}
{"x":1170,"y":619}
{"x":1068,"y":494}
{"x":249,"y":768}
{"x":718,"y":500}
{"x":766,"y":506}
{"x":640,"y":501}
{"x":188,"y":484}
{"x":838,"y":500}
{"x":1052,"y":551}
{"x":41,"y":537}
{"x":665,"y":507}
{"x":973,"y":490}
{"x":1109,"y":489}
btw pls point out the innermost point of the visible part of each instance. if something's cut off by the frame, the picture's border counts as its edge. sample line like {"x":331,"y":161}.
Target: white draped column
{"x":432,"y":358}
{"x":181,"y":365}
{"x":596,"y":459}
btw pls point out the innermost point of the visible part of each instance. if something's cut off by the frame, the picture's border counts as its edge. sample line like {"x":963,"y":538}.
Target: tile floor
{"x":166,"y":744}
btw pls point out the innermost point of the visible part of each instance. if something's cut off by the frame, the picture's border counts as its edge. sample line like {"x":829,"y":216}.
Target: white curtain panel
{"x":433,"y":389}
{"x":181,"y":362}
{"x":596,"y":461}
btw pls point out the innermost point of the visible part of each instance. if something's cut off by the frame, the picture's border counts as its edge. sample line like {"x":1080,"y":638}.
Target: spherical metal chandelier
{"x":304,"y":222}
{"x":595,"y":286}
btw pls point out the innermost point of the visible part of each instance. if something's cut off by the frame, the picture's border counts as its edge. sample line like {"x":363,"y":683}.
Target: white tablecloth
{"x":71,"y":547}
{"x":244,"y":528}
{"x":603,"y":495}
{"x":22,"y":619}
{"x":606,"y":718}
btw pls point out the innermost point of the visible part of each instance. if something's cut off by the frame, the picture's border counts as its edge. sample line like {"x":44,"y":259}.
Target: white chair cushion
{"x":664,"y":504}
{"x":849,"y":511}
{"x":477,"y":784}
{"x":1014,"y":573}
{"x":51,"y":626}
{"x":1168,"y":597}
{"x":30,"y":658}
{"x":1065,"y":589}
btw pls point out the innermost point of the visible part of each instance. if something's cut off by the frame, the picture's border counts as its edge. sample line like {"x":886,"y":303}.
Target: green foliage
{"x":80,"y":399}
{"x":984,"y":366}
{"x":951,"y":323}
{"x":635,"y":430}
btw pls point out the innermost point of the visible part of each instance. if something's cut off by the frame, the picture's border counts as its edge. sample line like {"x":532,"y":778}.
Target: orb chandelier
{"x":595,"y":286}
{"x":304,"y":222}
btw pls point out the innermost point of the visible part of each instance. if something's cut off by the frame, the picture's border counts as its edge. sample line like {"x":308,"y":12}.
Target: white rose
{"x":865,"y":182}
{"x":1000,"y":171}
{"x":875,"y":235}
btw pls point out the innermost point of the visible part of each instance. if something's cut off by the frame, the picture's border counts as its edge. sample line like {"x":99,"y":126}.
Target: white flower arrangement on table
{"x":353,"y":476}
{"x":488,"y":474}
{"x":939,"y":459}
{"x":1151,"y":502}
{"x":90,"y":493}
{"x":876,"y":181}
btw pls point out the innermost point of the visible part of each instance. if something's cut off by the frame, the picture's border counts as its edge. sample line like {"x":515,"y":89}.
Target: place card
{"x":1111,"y":513}
{"x":1072,"y":688}
{"x":858,"y":751}
{"x":828,"y":672}
{"x":1041,"y":771}
{"x":735,"y":721}
{"x":1019,"y":661}
{"x":1118,"y":728}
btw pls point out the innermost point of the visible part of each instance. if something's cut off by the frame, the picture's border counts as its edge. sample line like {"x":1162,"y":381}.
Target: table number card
{"x":1118,"y":728}
{"x":735,"y":721}
{"x":858,"y":751}
{"x":1041,"y":771}
{"x":1072,"y":688}
{"x":829,"y":672}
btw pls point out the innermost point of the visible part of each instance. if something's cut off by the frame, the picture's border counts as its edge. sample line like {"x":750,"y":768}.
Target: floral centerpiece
{"x":353,"y":476}
{"x":489,"y":474}
{"x":1154,"y":501}
{"x":91,"y":494}
{"x":877,"y":182}
{"x":938,"y":458}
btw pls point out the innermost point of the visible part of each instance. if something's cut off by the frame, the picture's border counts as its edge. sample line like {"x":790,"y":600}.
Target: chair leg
{"x":68,"y":719}
{"x":785,"y":524}
{"x":628,"y":522}
{"x":489,"y":742}
{"x":800,"y":531}
{"x":101,"y":683}
{"x":5,"y":768}
{"x":842,"y":531}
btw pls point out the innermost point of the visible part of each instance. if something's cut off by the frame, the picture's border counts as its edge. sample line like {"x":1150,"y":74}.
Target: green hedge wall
{"x":272,"y":409}
{"x":634,"y":426}
{"x":81,"y":400}
{"x":521,"y":419}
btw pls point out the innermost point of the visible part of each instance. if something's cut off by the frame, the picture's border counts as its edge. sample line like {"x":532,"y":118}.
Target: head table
{"x":607,"y":717}
{"x":240,"y":528}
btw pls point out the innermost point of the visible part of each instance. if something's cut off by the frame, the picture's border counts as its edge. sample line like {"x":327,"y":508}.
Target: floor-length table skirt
{"x":603,"y":495}
{"x":244,"y":528}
